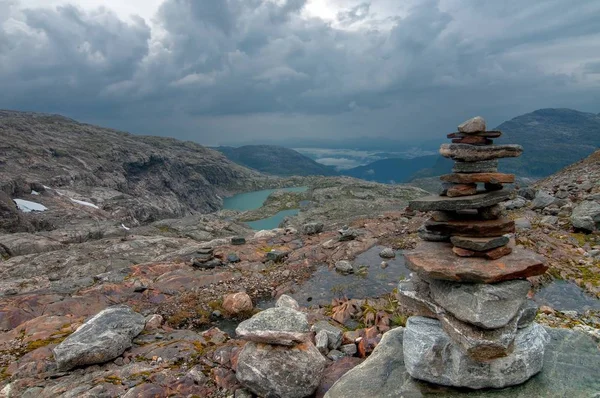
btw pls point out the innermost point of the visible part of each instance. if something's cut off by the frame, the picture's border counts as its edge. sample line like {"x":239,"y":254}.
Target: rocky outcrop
{"x":101,"y":339}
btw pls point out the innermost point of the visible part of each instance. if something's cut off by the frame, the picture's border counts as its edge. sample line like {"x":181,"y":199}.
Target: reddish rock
{"x":470,"y":178}
{"x":461,"y":190}
{"x":215,"y":335}
{"x":475,"y":228}
{"x":334,"y":372}
{"x":237,"y":303}
{"x":487,"y":134}
{"x":437,"y":261}
{"x":493,"y":254}
{"x":473,"y":140}
{"x":225,"y":378}
{"x":351,"y":336}
{"x":367,"y":345}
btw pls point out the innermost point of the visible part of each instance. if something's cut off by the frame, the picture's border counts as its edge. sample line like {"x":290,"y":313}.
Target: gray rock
{"x":486,"y":166}
{"x":549,"y":220}
{"x":484,"y":305}
{"x":312,"y":228}
{"x":480,"y":344}
{"x":474,"y":153}
{"x":238,"y":240}
{"x":516,"y":203}
{"x":542,"y":199}
{"x":432,"y":203}
{"x":276,"y":371}
{"x":522,"y":224}
{"x":432,"y":236}
{"x":570,"y":370}
{"x":344,"y":267}
{"x":473,"y":125}
{"x":527,"y":193}
{"x":348,"y":234}
{"x":479,"y":244}
{"x":242,"y":393}
{"x":233,"y":258}
{"x":528,"y":313}
{"x":101,"y":339}
{"x":349,"y":349}
{"x":335,"y":355}
{"x":321,"y":342}
{"x":387,"y":253}
{"x":276,"y":256}
{"x":586,"y":216}
{"x":279,"y":325}
{"x":334,"y":334}
{"x":286,"y":301}
{"x":431,"y":355}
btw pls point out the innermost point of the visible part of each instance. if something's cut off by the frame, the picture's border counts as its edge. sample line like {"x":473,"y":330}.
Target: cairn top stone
{"x":474,"y":125}
{"x":437,"y":261}
{"x":473,"y":153}
{"x":444,"y":203}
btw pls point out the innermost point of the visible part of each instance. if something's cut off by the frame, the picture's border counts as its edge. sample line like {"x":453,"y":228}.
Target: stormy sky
{"x":225,"y":71}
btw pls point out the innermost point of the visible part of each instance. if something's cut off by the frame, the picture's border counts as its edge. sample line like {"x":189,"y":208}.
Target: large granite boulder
{"x":102,"y":338}
{"x":484,"y":305}
{"x":279,"y":325}
{"x":586,"y":216}
{"x":278,"y":371}
{"x":432,"y":356}
{"x":478,"y":343}
{"x":571,"y":364}
{"x":542,"y":199}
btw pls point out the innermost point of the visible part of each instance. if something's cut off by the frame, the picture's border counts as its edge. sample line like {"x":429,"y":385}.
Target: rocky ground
{"x":163,"y":277}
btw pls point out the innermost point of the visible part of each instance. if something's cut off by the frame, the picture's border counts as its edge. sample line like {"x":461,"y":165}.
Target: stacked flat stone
{"x":475,"y":327}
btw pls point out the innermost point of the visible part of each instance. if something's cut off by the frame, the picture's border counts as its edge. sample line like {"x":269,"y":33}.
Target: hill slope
{"x":129,"y":177}
{"x":276,"y":160}
{"x":552,"y":139}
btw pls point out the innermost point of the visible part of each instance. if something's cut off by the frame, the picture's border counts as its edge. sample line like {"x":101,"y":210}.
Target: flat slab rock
{"x":431,"y":355}
{"x":444,"y":203}
{"x":486,"y":166}
{"x":279,"y":325}
{"x":469,"y":178}
{"x":473,"y":153}
{"x":474,"y":228}
{"x":437,"y":261}
{"x":570,"y":369}
{"x":479,"y":244}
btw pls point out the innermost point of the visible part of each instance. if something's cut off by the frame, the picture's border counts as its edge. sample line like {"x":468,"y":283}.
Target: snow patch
{"x":81,"y":202}
{"x":35,"y":192}
{"x":124,"y":227}
{"x":27,"y":207}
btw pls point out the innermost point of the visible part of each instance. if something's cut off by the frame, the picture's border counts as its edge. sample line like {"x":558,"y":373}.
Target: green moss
{"x":113,"y":380}
{"x":581,"y":238}
{"x":398,"y":320}
{"x":589,"y":276}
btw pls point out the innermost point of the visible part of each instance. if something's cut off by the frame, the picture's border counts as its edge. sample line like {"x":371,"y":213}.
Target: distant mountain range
{"x":552,"y":139}
{"x":276,"y":160}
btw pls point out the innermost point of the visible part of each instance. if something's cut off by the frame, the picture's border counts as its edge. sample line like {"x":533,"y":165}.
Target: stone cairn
{"x":475,"y":327}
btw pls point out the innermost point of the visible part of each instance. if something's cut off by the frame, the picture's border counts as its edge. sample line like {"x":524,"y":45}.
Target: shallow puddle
{"x":327,"y":284}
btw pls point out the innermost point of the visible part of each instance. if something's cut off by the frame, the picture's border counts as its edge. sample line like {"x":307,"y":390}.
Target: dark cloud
{"x":225,"y":70}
